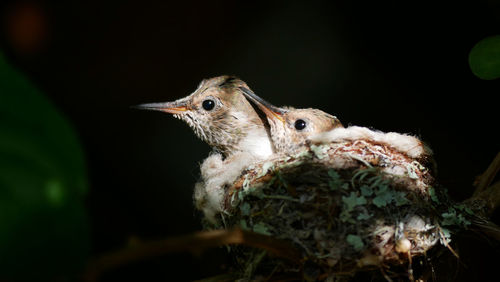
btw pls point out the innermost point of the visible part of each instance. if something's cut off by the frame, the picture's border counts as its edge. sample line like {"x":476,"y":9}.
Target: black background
{"x":391,"y":65}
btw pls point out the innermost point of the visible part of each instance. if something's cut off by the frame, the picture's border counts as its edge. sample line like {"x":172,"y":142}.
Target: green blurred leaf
{"x":364,"y":216}
{"x":432,"y":193}
{"x":261,"y":228}
{"x":355,"y":241}
{"x":43,"y":225}
{"x":352,"y":201}
{"x":366,"y":190}
{"x":484,"y":58}
{"x":245,"y":209}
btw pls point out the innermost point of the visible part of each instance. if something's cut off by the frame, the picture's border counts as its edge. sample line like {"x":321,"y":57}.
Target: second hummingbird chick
{"x":221,"y":116}
{"x":290,"y":128}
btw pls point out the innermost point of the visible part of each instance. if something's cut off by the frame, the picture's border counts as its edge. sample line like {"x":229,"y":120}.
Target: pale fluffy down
{"x":216,"y":174}
{"x":409,"y":145}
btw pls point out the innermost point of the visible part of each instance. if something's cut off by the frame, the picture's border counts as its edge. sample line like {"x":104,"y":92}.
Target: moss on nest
{"x":347,"y":207}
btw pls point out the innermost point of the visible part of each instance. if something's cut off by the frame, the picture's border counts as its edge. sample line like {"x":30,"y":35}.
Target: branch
{"x":487,"y":177}
{"x":194,"y":243}
{"x":490,"y":197}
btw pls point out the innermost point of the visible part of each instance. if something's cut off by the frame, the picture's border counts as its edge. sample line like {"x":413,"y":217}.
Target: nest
{"x":346,"y":206}
{"x":353,"y":202}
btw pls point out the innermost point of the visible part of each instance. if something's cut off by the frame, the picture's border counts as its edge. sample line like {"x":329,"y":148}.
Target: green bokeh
{"x":484,"y":58}
{"x":43,"y":226}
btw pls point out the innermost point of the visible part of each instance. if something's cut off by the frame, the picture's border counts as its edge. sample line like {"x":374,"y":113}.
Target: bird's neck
{"x":258,"y":143}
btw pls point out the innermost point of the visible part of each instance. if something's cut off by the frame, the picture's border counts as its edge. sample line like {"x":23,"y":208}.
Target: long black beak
{"x":176,"y":107}
{"x":270,"y":110}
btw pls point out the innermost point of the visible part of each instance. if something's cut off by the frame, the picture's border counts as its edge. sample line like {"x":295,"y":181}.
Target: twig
{"x":487,"y":177}
{"x":385,"y":275}
{"x":443,"y":238}
{"x":486,"y":227}
{"x":410,"y":268}
{"x":227,"y":277}
{"x":194,"y":243}
{"x":494,"y":195}
{"x":491,"y":197}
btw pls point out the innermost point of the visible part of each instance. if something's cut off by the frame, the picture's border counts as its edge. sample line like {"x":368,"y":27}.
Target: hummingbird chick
{"x":220,"y":115}
{"x":290,"y":127}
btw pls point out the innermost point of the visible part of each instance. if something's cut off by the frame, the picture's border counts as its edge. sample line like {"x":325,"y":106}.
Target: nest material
{"x":346,"y":206}
{"x":353,"y":200}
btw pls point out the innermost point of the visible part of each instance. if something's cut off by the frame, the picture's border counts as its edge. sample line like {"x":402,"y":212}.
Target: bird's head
{"x":217,"y":112}
{"x":291,"y":127}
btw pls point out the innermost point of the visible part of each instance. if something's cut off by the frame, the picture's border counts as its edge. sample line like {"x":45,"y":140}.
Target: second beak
{"x":269,"y":110}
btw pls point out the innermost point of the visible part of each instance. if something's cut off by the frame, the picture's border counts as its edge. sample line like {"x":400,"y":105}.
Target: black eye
{"x":300,"y":124}
{"x":208,"y":104}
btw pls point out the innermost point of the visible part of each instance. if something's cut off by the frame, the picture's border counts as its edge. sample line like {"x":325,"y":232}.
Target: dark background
{"x":388,"y":65}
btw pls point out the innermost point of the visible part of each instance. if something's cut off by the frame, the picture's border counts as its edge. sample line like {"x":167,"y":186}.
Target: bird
{"x":220,"y":115}
{"x":290,"y":128}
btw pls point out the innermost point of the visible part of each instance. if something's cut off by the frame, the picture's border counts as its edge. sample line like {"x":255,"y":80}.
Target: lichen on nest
{"x":349,"y":212}
{"x":347,"y":206}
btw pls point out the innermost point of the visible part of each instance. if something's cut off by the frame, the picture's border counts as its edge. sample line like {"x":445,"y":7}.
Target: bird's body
{"x":220,"y":115}
{"x":291,"y":127}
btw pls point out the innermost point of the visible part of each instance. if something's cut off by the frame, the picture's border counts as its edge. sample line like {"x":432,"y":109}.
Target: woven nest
{"x":346,"y":206}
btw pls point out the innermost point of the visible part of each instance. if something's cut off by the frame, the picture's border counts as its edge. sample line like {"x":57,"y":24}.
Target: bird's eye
{"x":208,"y":104}
{"x":300,"y":124}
